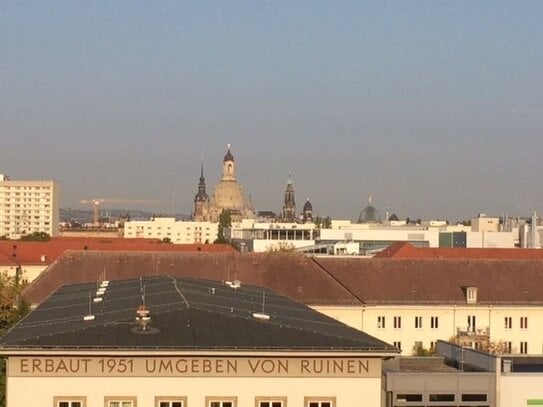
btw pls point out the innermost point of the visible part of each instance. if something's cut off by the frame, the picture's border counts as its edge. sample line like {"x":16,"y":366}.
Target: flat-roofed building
{"x":27,"y":207}
{"x":172,"y":230}
{"x":174,"y":342}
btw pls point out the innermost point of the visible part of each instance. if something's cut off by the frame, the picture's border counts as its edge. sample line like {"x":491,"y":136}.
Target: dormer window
{"x":471,"y":295}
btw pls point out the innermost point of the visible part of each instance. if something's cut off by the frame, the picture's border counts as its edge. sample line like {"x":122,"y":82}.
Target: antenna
{"x":89,"y":316}
{"x":262,"y":315}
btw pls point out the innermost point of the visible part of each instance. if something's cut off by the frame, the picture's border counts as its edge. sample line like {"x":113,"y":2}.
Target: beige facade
{"x":515,"y":328}
{"x":27,"y":207}
{"x":180,"y":232}
{"x":146,"y":379}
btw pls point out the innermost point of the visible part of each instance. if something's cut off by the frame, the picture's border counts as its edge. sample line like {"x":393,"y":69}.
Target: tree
{"x":281,"y":247}
{"x":36,"y":237}
{"x":419,"y":350}
{"x":225,"y":221}
{"x":12,"y":308}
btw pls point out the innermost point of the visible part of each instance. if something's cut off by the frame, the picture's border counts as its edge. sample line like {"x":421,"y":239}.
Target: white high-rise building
{"x":27,"y":207}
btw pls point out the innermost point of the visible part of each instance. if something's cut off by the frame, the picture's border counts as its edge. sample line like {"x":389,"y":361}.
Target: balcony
{"x":472,"y":332}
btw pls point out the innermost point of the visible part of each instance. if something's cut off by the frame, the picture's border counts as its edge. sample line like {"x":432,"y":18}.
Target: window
{"x":474,"y":397}
{"x":524,"y":347}
{"x":508,"y":322}
{"x":441,"y":397}
{"x":409,"y":397}
{"x":380,"y":322}
{"x":398,"y":345}
{"x":471,"y":323}
{"x":508,"y":347}
{"x":434,"y":322}
{"x":397,"y":322}
{"x":270,"y":401}
{"x":120,"y":402}
{"x":221,"y":401}
{"x":320,"y":402}
{"x":523,"y":322}
{"x":418,"y":322}
{"x":70,"y":401}
{"x":170,"y":401}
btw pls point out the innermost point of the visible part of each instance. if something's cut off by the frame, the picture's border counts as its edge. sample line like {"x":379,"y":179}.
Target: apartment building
{"x":27,"y":207}
{"x":179,"y":232}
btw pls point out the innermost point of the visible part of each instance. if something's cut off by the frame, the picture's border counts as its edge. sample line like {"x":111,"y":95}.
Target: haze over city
{"x":433,"y":108}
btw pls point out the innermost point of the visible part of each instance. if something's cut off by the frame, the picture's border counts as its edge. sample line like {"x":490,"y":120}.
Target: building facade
{"x":27,"y":207}
{"x":170,"y":342}
{"x":174,"y":231}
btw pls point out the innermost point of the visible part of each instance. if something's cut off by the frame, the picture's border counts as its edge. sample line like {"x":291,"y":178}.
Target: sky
{"x":434,"y":108}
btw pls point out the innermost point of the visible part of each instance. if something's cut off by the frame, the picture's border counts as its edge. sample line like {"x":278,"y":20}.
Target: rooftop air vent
{"x":261,"y":316}
{"x":143,"y":317}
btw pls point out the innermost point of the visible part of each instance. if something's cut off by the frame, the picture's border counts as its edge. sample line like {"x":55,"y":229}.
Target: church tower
{"x":307,"y":212}
{"x":201,"y":200}
{"x":228,"y":166}
{"x":289,"y":207}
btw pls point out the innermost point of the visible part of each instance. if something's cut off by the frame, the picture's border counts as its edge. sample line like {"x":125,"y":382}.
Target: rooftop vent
{"x":261,"y":316}
{"x":233,"y":284}
{"x":143,"y":317}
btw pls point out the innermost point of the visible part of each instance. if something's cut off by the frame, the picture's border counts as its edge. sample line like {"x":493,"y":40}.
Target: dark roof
{"x":186,"y":313}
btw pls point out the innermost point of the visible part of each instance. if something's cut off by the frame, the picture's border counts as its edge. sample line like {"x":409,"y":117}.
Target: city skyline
{"x":434,"y":109}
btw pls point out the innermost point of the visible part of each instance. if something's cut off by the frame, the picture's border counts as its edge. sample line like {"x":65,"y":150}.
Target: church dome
{"x":369,"y":215}
{"x":229,"y":195}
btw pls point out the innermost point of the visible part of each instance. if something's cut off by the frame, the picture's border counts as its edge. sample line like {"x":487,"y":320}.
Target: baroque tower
{"x":289,"y":207}
{"x":201,"y":200}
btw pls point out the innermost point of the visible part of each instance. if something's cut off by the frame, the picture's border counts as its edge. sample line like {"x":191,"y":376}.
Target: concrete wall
{"x":516,"y":389}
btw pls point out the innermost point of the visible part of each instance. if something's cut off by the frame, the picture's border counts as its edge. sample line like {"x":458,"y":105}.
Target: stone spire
{"x":289,"y":207}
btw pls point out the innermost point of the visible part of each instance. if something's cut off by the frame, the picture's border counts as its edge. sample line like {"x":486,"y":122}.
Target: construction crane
{"x":96,"y":202}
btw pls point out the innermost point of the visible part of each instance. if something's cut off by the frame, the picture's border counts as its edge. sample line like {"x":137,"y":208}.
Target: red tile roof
{"x":405,"y":250}
{"x":294,"y":275}
{"x":439,"y":281}
{"x":19,"y":252}
{"x":315,"y":281}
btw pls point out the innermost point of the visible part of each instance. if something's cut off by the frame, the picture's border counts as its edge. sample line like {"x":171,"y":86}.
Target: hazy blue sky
{"x":434,"y":107}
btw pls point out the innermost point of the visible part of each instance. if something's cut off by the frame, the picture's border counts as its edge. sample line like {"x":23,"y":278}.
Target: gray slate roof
{"x":186,"y":314}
